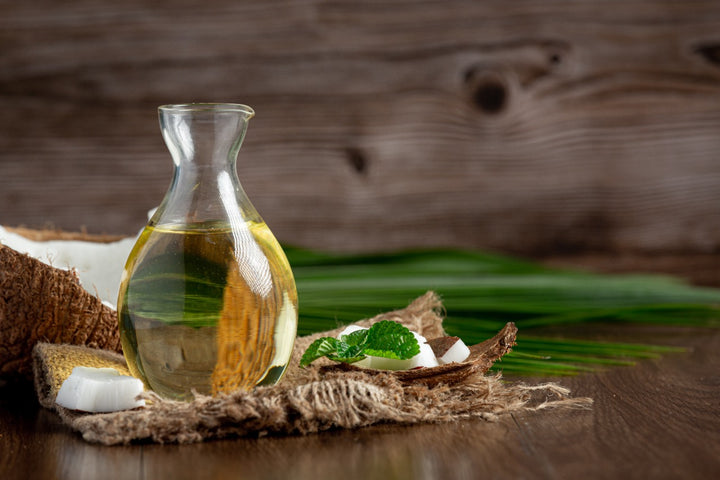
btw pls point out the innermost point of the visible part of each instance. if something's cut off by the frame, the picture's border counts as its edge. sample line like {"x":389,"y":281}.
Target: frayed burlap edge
{"x":313,"y":399}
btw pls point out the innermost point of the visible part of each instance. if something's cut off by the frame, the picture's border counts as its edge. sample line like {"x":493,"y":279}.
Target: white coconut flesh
{"x":426,"y":357}
{"x":457,"y":353}
{"x":99,"y":266}
{"x":99,"y":390}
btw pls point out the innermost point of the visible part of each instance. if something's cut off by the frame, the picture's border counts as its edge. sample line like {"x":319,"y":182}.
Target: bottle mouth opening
{"x":208,"y":107}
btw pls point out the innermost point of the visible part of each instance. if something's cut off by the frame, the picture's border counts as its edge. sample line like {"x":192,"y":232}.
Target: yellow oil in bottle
{"x":207,"y":308}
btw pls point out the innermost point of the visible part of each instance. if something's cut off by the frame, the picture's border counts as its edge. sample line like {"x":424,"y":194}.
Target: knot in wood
{"x":357,"y":159}
{"x":488,"y":90}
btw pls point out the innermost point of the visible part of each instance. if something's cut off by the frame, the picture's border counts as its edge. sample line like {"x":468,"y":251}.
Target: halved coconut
{"x":46,"y":301}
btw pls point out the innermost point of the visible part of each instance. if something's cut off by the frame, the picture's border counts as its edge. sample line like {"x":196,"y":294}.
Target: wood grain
{"x":658,"y":419}
{"x":661,"y":415}
{"x":532,"y":128}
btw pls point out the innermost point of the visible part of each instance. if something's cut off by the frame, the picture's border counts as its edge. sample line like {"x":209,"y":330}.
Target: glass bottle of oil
{"x":207,"y":302}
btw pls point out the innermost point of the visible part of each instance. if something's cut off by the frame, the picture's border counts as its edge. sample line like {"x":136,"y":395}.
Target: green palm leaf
{"x":481,"y":292}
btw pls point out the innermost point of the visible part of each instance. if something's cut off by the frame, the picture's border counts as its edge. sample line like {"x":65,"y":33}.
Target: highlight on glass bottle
{"x":207,"y":302}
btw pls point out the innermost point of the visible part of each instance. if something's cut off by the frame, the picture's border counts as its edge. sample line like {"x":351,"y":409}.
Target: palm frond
{"x":481,"y":292}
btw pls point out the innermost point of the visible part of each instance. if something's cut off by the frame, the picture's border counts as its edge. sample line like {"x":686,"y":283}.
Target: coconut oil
{"x":207,"y":308}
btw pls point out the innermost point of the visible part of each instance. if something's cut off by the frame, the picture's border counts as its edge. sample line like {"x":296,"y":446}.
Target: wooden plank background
{"x":528,"y":127}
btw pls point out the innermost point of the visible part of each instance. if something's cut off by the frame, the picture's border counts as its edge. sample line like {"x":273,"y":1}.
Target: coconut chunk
{"x":426,"y":357}
{"x":350,"y":329}
{"x":449,"y":349}
{"x":99,"y":390}
{"x":381,"y":363}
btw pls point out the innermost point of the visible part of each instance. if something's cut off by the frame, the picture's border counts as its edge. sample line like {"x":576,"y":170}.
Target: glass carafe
{"x":207,"y":302}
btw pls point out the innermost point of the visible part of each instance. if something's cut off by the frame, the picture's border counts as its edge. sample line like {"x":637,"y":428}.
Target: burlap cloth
{"x":306,"y":400}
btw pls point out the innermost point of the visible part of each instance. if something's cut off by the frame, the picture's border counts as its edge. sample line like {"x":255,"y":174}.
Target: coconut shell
{"x":40,"y":303}
{"x":482,"y":357}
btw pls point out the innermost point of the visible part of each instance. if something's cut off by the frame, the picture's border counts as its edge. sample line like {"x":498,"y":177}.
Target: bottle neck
{"x":204,"y":141}
{"x":204,"y":135}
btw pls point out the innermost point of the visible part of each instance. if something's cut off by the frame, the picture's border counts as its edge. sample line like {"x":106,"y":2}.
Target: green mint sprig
{"x":385,"y":339}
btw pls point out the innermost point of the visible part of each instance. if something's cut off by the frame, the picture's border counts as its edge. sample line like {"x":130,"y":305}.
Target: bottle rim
{"x":208,"y":107}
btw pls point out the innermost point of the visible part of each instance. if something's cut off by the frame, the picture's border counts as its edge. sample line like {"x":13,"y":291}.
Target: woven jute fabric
{"x":307,"y":400}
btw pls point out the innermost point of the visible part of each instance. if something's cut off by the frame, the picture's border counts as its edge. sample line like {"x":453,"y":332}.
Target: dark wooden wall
{"x":525,"y":126}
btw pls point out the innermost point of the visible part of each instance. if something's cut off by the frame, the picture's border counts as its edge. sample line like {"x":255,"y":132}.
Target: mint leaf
{"x":336,"y":350}
{"x":389,"y":339}
{"x":346,"y":359}
{"x":345,"y":351}
{"x":385,"y":339}
{"x":319,"y":348}
{"x":355,"y":338}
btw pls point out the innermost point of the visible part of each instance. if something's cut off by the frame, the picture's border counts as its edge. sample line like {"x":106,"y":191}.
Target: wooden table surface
{"x":657,"y":419}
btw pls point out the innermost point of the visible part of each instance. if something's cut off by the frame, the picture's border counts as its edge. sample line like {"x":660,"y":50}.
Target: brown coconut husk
{"x":41,"y":303}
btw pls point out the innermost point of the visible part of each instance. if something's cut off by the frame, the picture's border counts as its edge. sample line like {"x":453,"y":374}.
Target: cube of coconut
{"x":99,"y":390}
{"x":449,"y":350}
